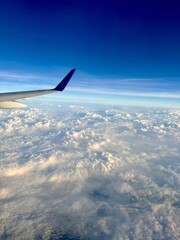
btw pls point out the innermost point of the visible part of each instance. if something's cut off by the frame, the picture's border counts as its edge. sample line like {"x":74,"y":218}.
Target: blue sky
{"x":123,"y":50}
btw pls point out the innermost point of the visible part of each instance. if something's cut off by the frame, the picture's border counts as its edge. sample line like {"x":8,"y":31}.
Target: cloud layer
{"x":84,"y":172}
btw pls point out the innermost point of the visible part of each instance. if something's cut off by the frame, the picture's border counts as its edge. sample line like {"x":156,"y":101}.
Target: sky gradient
{"x":128,"y":47}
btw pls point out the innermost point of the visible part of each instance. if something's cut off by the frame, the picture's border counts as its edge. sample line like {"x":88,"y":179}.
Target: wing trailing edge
{"x":11,"y":104}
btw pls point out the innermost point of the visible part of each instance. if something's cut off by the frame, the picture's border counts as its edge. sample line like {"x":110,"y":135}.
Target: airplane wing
{"x":8,"y":100}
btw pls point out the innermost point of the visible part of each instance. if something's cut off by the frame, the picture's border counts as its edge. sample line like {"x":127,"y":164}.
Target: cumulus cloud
{"x":78,"y":172}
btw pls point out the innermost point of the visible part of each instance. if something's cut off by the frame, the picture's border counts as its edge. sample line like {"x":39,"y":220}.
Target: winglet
{"x":61,"y":86}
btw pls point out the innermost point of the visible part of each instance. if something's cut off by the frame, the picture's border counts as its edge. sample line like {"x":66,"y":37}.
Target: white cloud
{"x":87,"y":173}
{"x":132,"y":93}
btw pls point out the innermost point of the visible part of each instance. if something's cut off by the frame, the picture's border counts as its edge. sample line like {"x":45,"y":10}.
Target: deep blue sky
{"x":107,"y":39}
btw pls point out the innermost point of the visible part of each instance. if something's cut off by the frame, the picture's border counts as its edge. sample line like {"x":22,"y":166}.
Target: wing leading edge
{"x":8,"y":100}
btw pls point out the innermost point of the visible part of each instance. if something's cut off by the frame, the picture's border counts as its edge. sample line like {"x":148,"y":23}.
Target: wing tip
{"x":61,"y":86}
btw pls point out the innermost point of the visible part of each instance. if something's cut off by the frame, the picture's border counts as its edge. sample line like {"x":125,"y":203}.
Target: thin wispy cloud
{"x":23,"y":77}
{"x":134,"y":94}
{"x":132,"y":87}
